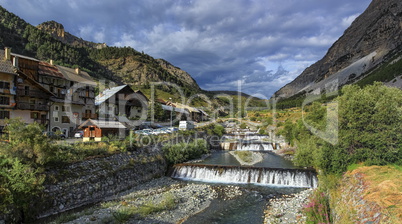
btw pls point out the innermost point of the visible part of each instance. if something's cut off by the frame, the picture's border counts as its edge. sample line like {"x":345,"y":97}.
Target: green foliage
{"x":384,"y":73}
{"x":318,"y":210}
{"x":246,"y":156}
{"x":27,"y":142}
{"x":182,"y":152}
{"x":370,"y":130}
{"x":19,"y":184}
{"x":243,"y":126}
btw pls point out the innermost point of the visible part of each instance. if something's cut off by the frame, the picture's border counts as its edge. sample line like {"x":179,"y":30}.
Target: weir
{"x":246,"y":175}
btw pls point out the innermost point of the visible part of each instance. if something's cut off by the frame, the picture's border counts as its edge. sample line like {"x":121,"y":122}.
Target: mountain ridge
{"x":377,"y":32}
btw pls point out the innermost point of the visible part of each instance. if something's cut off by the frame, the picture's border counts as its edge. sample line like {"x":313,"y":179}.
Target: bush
{"x":182,"y":152}
{"x":370,"y":130}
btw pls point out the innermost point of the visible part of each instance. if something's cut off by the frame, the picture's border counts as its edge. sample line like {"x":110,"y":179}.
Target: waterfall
{"x":244,"y":175}
{"x":255,"y":147}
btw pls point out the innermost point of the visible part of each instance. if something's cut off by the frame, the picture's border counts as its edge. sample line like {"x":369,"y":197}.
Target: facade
{"x":121,"y":103}
{"x":7,"y":87}
{"x":74,"y":99}
{"x":96,"y":129}
{"x":31,"y":99}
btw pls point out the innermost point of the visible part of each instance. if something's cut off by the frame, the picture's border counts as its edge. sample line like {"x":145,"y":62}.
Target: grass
{"x":385,"y":189}
{"x":127,"y":211}
{"x":246,"y":156}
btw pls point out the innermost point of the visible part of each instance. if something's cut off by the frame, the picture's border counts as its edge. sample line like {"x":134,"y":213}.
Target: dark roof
{"x":48,"y":69}
{"x":5,"y":65}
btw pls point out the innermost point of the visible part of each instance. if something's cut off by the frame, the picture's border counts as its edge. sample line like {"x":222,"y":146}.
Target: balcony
{"x":89,"y":116}
{"x":29,"y":106}
{"x":32,"y":93}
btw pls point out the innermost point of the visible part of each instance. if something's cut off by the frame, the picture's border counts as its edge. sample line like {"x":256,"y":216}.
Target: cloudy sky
{"x":256,"y":46}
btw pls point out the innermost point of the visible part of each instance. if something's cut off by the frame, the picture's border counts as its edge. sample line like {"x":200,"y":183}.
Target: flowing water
{"x":271,"y":176}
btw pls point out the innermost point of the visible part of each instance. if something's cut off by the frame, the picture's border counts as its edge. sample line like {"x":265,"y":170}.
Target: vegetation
{"x":182,"y":152}
{"x":246,"y":156}
{"x":369,"y":130}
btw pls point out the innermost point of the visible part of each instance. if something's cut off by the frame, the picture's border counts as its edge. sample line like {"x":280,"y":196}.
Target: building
{"x":74,"y":99}
{"x":123,"y":104}
{"x":96,"y":129}
{"x":7,"y":87}
{"x":32,"y":101}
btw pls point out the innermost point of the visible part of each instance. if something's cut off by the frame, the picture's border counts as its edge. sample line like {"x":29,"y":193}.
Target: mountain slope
{"x":372,"y":39}
{"x":121,"y":65}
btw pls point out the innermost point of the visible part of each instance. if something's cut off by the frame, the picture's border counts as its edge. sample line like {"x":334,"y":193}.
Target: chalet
{"x":96,"y":129}
{"x":122,"y":103}
{"x":31,"y":100}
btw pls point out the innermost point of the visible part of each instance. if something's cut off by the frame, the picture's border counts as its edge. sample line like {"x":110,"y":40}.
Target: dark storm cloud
{"x":258,"y":44}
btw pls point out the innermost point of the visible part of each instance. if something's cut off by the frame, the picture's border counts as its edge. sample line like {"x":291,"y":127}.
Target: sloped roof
{"x":102,"y":124}
{"x":71,"y":74}
{"x":107,"y":93}
{"x":5,"y":65}
{"x":191,"y":109}
{"x":48,"y":69}
{"x":175,"y":109}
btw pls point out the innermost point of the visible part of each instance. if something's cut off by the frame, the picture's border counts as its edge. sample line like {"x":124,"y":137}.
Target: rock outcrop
{"x":57,"y":31}
{"x":374,"y":34}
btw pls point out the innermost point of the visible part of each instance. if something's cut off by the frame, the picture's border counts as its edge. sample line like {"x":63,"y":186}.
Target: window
{"x":34,"y":115}
{"x":4,"y":85}
{"x":4,"y":114}
{"x":56,"y":119}
{"x":56,"y":108}
{"x":4,"y":100}
{"x":65,"y":119}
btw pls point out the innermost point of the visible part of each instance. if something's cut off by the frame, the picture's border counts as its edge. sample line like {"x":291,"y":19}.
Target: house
{"x":75,"y":97}
{"x":7,"y":87}
{"x":194,"y":113}
{"x":96,"y":129}
{"x":123,"y":104}
{"x":31,"y":100}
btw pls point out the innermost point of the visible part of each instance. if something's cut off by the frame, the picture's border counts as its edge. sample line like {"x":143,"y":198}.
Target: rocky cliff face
{"x":373,"y":35}
{"x":57,"y":31}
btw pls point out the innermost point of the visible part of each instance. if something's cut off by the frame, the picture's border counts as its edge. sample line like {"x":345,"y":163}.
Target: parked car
{"x":79,"y":134}
{"x":54,"y":135}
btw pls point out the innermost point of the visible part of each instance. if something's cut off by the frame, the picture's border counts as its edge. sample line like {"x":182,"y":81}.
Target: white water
{"x":246,"y":137}
{"x":243,"y":175}
{"x":255,"y":147}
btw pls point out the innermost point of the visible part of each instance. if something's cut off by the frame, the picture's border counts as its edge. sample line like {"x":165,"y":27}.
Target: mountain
{"x":125,"y":65}
{"x":372,"y":43}
{"x":57,"y":31}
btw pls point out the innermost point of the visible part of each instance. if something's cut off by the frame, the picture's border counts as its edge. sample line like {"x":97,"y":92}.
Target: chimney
{"x":7,"y":52}
{"x":51,"y":62}
{"x":77,"y":71}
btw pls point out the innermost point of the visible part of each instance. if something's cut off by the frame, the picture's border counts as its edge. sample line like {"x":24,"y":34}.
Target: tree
{"x":27,"y":142}
{"x":370,"y":130}
{"x":19,"y":183}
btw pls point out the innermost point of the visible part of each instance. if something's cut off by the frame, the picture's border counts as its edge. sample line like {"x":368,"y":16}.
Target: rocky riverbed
{"x":287,"y":209}
{"x":163,"y":200}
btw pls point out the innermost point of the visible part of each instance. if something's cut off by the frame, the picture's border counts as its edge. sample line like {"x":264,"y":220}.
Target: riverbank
{"x":287,"y":209}
{"x":162,"y":200}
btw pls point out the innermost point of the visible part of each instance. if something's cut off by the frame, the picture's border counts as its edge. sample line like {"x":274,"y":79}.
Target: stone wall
{"x":93,"y":180}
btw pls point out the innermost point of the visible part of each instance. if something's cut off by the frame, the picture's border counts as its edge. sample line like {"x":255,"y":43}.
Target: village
{"x":69,"y":103}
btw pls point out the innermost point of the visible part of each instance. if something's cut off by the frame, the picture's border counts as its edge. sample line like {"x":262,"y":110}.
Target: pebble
{"x":287,"y":209}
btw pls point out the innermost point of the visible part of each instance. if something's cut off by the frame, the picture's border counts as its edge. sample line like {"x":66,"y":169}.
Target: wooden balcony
{"x":29,"y":106}
{"x":89,"y":116}
{"x":32,"y":93}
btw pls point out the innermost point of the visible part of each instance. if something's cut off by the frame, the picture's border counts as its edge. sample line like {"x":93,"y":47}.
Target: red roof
{"x":48,"y":69}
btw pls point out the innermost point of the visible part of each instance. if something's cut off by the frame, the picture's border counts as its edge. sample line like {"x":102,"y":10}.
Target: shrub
{"x":317,"y":210}
{"x":182,"y":152}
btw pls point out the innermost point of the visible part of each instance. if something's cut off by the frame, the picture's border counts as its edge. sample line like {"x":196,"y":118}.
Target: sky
{"x":254,"y":46}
